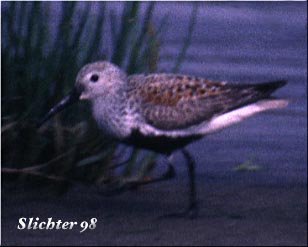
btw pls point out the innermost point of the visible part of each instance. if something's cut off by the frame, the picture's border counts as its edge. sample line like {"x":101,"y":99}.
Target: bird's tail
{"x":267,"y":88}
{"x":264,"y":91}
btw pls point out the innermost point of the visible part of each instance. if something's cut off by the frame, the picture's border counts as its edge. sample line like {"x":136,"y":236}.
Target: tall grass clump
{"x":44,"y":44}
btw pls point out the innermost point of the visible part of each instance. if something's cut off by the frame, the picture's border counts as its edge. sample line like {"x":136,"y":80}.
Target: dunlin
{"x":165,"y":112}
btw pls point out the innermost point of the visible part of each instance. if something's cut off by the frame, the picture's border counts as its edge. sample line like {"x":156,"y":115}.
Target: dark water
{"x":249,"y":42}
{"x":236,"y":42}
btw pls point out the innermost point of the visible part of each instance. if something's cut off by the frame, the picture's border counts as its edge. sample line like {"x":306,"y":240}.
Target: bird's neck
{"x":110,"y":114}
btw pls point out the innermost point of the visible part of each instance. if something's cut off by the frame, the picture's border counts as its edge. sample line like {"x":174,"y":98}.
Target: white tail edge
{"x":238,"y":115}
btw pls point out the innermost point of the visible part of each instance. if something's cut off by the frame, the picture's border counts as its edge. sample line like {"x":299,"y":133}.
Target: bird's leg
{"x":192,"y":209}
{"x":117,"y":189}
{"x":119,"y":164}
{"x":170,"y":173}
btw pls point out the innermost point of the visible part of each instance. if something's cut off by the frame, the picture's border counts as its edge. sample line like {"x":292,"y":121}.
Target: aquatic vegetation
{"x":44,"y":44}
{"x":247,"y":165}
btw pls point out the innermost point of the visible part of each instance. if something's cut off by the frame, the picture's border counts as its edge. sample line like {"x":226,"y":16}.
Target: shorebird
{"x":165,"y":112}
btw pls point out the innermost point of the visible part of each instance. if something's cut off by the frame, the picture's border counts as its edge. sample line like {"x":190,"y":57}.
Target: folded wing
{"x":170,"y":102}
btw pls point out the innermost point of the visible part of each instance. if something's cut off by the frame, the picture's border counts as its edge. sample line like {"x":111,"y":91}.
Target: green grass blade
{"x":132,"y":64}
{"x":187,"y":41}
{"x":98,"y":35}
{"x":129,"y":16}
{"x":152,"y":44}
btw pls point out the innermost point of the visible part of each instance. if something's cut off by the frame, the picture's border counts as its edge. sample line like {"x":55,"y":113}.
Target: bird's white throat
{"x":110,"y":115}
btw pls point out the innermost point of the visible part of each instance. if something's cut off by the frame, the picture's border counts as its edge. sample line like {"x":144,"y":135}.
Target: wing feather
{"x":170,"y":101}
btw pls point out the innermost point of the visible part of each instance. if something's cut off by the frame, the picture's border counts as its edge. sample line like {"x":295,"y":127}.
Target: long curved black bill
{"x":68,"y":100}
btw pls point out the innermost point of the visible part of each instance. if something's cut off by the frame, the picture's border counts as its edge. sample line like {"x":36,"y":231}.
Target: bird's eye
{"x":94,"y":78}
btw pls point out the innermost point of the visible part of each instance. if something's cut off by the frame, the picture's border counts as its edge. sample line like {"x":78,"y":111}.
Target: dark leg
{"x":118,"y":188}
{"x":170,"y":173}
{"x":192,"y":209}
{"x":119,"y":164}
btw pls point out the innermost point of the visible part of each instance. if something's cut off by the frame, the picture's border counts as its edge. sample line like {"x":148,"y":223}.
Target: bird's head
{"x":94,"y":80}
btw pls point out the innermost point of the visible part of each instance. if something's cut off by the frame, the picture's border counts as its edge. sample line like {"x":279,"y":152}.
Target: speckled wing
{"x":169,"y":101}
